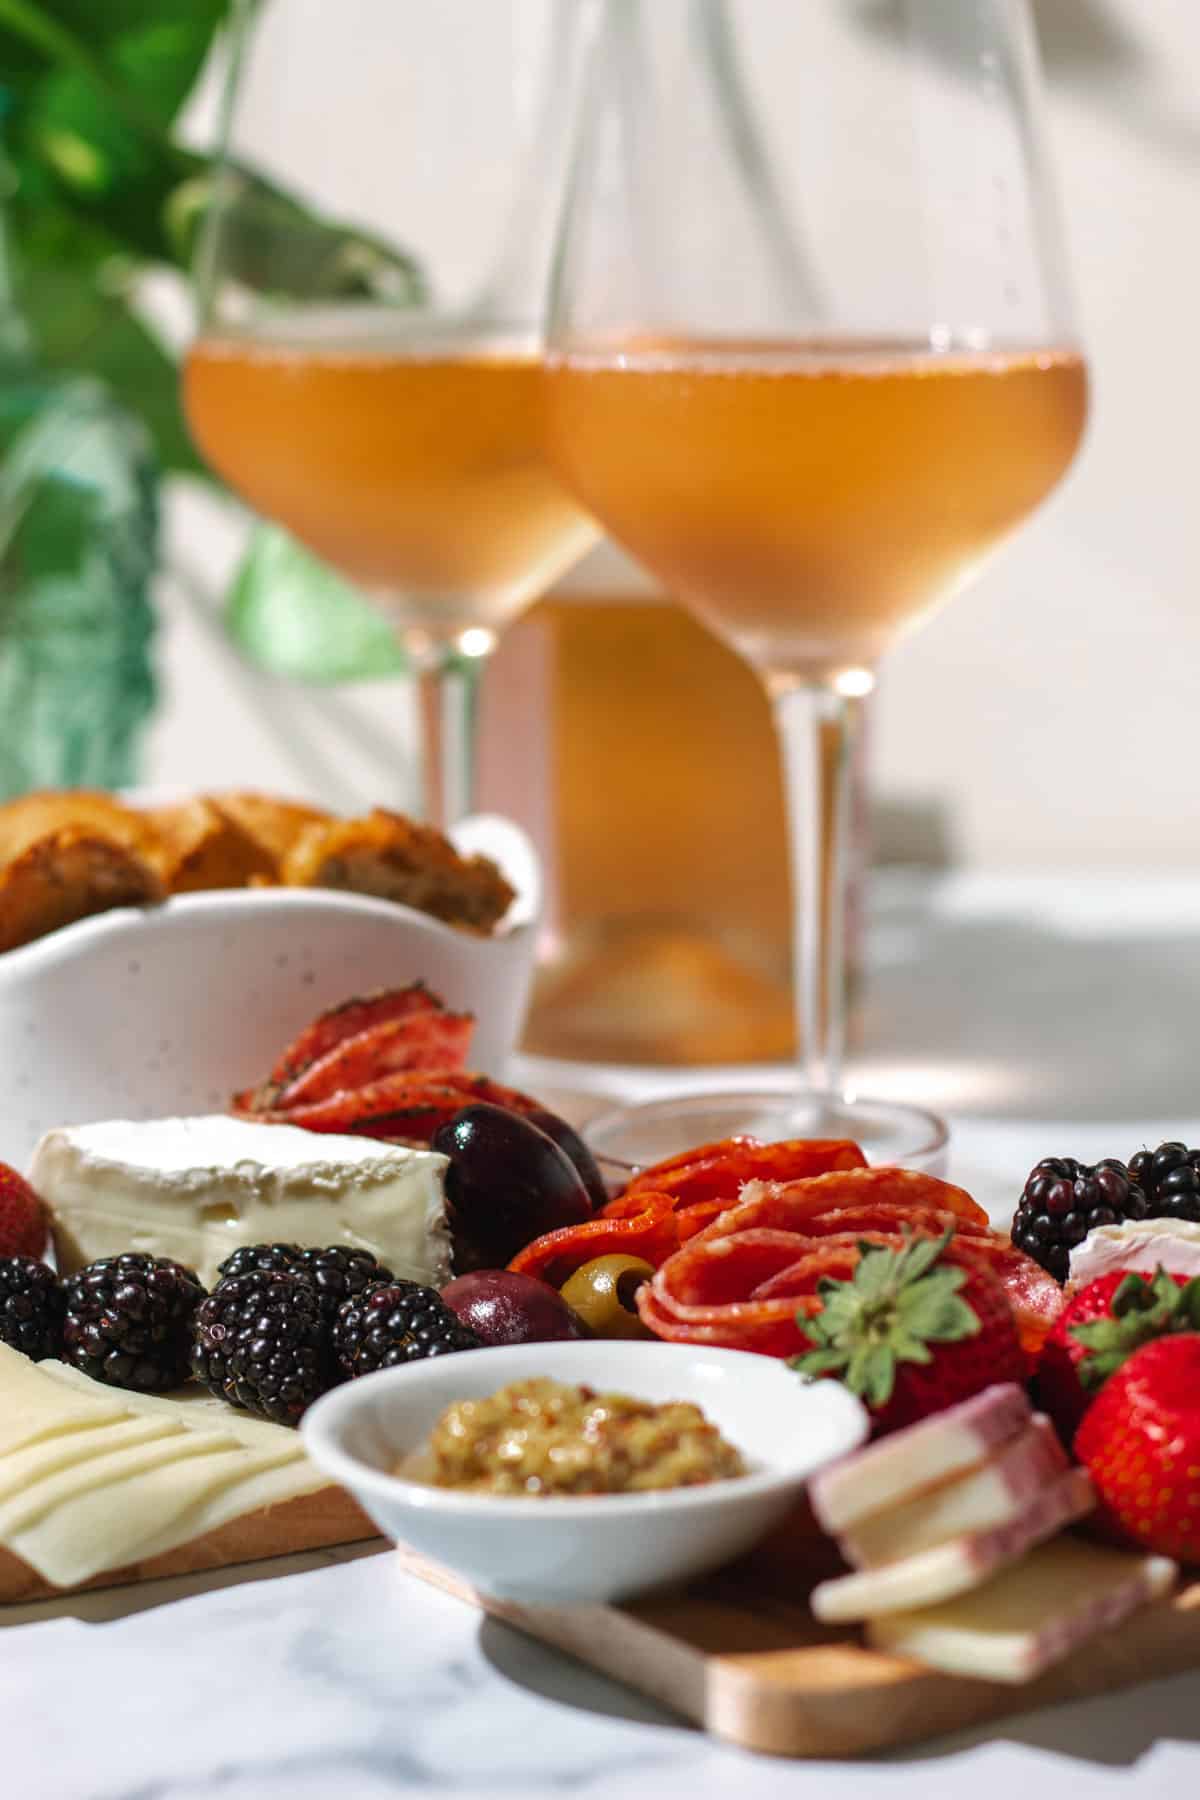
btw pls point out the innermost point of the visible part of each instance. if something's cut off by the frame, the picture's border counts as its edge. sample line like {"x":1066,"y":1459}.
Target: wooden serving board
{"x":740,"y":1654}
{"x":312,"y":1522}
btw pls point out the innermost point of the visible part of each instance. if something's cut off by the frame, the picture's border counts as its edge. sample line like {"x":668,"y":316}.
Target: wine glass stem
{"x":447,"y":698}
{"x":817,"y":732}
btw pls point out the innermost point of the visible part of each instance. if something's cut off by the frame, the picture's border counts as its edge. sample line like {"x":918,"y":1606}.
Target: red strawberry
{"x":914,"y":1330}
{"x":1140,"y":1443}
{"x":23,"y":1229}
{"x":1098,"y":1329}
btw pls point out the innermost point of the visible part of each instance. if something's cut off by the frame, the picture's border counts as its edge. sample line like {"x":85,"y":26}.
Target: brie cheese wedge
{"x":1139,"y":1245}
{"x":195,"y":1189}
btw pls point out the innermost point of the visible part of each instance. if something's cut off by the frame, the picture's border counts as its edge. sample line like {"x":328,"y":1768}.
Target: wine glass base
{"x":886,"y":1131}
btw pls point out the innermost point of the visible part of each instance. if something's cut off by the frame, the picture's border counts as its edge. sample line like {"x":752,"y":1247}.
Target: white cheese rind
{"x":1140,"y":1245}
{"x":195,"y":1189}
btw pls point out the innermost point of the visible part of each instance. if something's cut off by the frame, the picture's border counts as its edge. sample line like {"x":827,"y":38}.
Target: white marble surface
{"x":1043,"y":1017}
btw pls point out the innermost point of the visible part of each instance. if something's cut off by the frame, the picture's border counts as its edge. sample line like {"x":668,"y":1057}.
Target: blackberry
{"x":259,"y":1341}
{"x":31,"y":1307}
{"x":128,"y":1320}
{"x":340,"y":1274}
{"x":1170,"y":1179}
{"x":248,"y":1257}
{"x":394,"y":1323}
{"x":1063,"y":1200}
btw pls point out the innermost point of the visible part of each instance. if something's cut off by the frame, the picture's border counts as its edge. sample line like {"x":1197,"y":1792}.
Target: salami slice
{"x":347,"y":1020}
{"x":791,"y":1206}
{"x":769,"y":1330}
{"x":430,"y":1041}
{"x":407,"y":1106}
{"x":720,"y":1171}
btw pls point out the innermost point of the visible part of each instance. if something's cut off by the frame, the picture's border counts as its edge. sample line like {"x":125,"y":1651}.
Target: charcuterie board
{"x":740,"y":1654}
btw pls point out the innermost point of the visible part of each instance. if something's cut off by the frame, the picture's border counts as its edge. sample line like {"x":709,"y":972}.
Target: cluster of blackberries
{"x":1063,"y":1200}
{"x":281,"y":1325}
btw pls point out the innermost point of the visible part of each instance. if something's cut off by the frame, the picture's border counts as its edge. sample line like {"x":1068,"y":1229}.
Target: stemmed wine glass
{"x":811,"y":360}
{"x":379,"y":394}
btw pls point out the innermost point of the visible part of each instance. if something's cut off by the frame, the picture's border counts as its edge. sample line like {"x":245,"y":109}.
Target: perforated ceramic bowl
{"x":147,"y":1012}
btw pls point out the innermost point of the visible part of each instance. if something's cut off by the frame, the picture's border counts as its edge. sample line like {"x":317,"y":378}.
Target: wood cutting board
{"x":739,"y":1654}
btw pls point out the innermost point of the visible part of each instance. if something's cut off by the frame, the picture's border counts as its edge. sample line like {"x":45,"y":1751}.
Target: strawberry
{"x":1098,"y":1329}
{"x":23,"y":1229}
{"x":914,"y":1330}
{"x":1140,"y":1443}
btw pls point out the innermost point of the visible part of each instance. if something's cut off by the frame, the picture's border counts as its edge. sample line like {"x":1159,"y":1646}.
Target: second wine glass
{"x":811,"y":362}
{"x":383,"y":403}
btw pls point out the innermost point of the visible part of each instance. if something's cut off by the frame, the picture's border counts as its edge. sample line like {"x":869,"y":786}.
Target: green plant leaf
{"x":83,"y":324}
{"x":292,"y":615}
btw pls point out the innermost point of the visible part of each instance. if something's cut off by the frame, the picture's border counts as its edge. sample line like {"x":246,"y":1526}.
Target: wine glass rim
{"x":932,"y":1136}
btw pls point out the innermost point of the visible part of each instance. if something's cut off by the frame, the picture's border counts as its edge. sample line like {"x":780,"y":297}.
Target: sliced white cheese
{"x":291,"y":1480}
{"x":197,"y":1188}
{"x":22,"y":1469}
{"x":192,"y":1407}
{"x":32,"y":1408}
{"x":93,"y":1478}
{"x":1029,"y":1617}
{"x":52,"y":1493}
{"x":106,"y":1527}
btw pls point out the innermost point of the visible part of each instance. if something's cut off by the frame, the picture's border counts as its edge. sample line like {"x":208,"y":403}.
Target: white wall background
{"x":1053,"y":712}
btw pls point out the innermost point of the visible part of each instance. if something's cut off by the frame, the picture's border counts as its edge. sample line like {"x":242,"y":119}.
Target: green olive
{"x":602,"y":1293}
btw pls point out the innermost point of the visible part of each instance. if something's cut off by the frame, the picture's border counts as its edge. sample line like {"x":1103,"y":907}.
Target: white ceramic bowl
{"x":559,"y":1552}
{"x":146,"y":1012}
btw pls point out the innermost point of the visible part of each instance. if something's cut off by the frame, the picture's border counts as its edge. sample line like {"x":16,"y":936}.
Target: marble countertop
{"x":1042,"y":1017}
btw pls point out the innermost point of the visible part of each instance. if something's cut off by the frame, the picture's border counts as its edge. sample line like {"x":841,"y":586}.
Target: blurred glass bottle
{"x":639,"y":753}
{"x":78,"y":546}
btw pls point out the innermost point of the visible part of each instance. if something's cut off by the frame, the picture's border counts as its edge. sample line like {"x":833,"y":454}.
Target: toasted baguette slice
{"x":274,"y":825}
{"x":69,"y":875}
{"x":29,"y":818}
{"x":393,"y":858}
{"x":197,"y":846}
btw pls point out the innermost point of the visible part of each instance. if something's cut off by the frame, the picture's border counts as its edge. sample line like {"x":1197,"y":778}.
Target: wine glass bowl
{"x":811,"y":361}
{"x":407,"y":454}
{"x":367,"y":367}
{"x":818,"y":499}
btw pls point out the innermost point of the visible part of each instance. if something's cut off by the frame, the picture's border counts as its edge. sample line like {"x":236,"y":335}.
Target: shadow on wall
{"x":1091,"y":46}
{"x":1030,"y":1020}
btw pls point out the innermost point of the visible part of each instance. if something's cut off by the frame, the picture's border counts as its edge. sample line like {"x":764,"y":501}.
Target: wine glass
{"x":811,"y":360}
{"x":367,"y":365}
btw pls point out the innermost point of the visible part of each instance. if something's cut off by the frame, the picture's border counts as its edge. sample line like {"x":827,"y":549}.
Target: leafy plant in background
{"x":103,"y":193}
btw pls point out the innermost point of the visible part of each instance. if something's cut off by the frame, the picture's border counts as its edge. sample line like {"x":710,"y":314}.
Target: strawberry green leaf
{"x":895,"y":1306}
{"x":1140,"y":1310}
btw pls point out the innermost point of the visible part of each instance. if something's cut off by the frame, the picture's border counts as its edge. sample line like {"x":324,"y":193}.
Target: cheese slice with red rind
{"x":1031,"y":1616}
{"x":957,"y":1566}
{"x":896,"y":1468}
{"x":993,"y":1494}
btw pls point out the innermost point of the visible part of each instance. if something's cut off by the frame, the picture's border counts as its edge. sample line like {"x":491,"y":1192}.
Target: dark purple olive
{"x":507,"y":1183}
{"x":503,"y":1308}
{"x":570,"y":1142}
